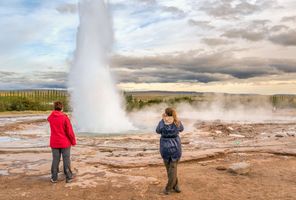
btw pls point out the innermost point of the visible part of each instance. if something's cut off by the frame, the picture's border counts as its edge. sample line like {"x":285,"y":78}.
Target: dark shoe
{"x":53,"y":181}
{"x":166,"y":192}
{"x":69,"y":180}
{"x":177,"y":189}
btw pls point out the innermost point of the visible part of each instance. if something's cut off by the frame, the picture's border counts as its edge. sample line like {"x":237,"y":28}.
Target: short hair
{"x":58,"y":105}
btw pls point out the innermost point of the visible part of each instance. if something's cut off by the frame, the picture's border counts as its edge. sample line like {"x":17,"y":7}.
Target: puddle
{"x":36,"y":130}
{"x":8,"y":139}
{"x":126,"y":133}
{"x":13,"y":119}
{"x":4,"y":172}
{"x":11,"y":142}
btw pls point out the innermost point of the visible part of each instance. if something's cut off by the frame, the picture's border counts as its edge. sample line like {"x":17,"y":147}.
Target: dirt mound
{"x":219,"y":129}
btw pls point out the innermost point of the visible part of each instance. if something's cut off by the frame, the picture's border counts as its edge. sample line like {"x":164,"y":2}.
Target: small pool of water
{"x":4,"y":120}
{"x":130,"y":132}
{"x":8,"y":139}
{"x":4,"y":172}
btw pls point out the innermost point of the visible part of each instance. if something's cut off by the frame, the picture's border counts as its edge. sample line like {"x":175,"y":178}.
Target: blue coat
{"x":170,"y":143}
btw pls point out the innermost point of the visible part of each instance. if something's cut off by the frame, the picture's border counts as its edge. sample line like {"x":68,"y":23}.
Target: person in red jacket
{"x":62,"y":137}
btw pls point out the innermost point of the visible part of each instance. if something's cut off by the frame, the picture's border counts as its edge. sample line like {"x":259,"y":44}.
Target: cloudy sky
{"x":235,"y":46}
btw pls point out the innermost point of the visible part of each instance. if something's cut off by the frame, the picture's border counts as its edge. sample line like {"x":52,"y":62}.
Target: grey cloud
{"x":57,"y":76}
{"x":261,"y":30}
{"x":228,"y":8}
{"x":169,"y":9}
{"x":261,"y":22}
{"x":245,"y":8}
{"x":37,"y":79}
{"x":192,"y":66}
{"x":245,"y":34}
{"x":5,"y":74}
{"x":225,"y":63}
{"x":67,"y":8}
{"x":148,"y":1}
{"x":285,"y":65}
{"x":174,"y":10}
{"x":289,"y":19}
{"x":201,"y":24}
{"x":255,"y":30}
{"x":215,"y":41}
{"x":277,"y":28}
{"x":284,"y":38}
{"x":168,"y":76}
{"x":183,"y":67}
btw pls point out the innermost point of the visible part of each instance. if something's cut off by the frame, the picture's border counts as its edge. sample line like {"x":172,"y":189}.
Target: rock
{"x":153,"y":181}
{"x":140,"y":154}
{"x":106,"y":150}
{"x":236,"y":135}
{"x":279,"y":135}
{"x":109,"y":155}
{"x":221,"y":168}
{"x":230,"y":128}
{"x":291,"y":134}
{"x":241,"y":168}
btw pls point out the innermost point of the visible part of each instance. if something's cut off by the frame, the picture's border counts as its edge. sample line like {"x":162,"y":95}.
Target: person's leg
{"x":172,"y":175}
{"x":176,"y":185}
{"x":56,"y":156}
{"x":67,"y":164}
{"x":167,"y":166}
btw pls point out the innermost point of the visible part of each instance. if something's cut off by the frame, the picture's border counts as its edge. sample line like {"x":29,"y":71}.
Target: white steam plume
{"x":95,"y":100}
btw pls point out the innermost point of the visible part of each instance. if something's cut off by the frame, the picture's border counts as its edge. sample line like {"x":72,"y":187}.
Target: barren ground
{"x":130,"y":167}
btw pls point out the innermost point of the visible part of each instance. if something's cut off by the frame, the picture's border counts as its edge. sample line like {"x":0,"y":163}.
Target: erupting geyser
{"x":95,"y":100}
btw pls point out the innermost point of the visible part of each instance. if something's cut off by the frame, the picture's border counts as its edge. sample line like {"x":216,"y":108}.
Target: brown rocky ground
{"x":129,"y":166}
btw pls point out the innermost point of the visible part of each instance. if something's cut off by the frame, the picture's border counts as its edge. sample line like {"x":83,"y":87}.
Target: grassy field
{"x":141,"y":99}
{"x":35,"y":100}
{"x":42,"y":100}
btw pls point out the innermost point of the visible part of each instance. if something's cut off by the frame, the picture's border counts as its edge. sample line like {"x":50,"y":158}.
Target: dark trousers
{"x":171,"y":168}
{"x":56,"y":156}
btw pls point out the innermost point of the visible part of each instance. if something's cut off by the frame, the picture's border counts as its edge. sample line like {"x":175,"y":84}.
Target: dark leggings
{"x":171,"y":168}
{"x":56,"y":156}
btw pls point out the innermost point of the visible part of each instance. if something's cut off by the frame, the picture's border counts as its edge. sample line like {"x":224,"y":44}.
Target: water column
{"x":95,"y":100}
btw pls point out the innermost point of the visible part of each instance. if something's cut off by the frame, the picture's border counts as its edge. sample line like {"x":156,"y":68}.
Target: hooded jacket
{"x":61,"y":131}
{"x":170,"y":143}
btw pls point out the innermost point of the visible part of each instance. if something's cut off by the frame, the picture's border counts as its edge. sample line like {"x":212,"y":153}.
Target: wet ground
{"x":129,"y":166}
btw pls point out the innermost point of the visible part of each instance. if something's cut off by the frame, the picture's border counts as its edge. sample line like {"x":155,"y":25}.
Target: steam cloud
{"x":95,"y":101}
{"x":225,"y":109}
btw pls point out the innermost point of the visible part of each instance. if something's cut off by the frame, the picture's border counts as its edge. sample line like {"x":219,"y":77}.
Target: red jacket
{"x":61,"y":131}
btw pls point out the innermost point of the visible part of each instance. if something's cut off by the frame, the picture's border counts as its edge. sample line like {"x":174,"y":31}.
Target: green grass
{"x":42,"y":100}
{"x":34,"y":100}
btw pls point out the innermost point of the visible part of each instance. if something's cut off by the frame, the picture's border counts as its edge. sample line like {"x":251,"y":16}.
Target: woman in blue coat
{"x":170,"y":146}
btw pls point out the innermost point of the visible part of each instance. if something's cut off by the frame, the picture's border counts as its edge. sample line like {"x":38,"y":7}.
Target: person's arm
{"x":181,"y":127}
{"x":159,"y":127}
{"x":48,"y":118}
{"x":69,"y":131}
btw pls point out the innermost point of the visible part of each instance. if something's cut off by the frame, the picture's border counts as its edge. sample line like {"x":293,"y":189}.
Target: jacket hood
{"x":56,"y":113}
{"x":168,"y":120}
